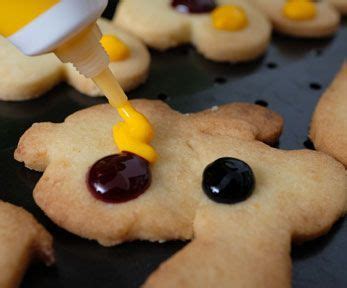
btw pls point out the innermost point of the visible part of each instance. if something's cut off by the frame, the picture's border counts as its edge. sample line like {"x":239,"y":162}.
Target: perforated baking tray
{"x":289,"y":79}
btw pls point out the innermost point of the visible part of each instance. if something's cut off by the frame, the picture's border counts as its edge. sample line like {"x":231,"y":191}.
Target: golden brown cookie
{"x":161,"y":26}
{"x":230,"y":241}
{"x":23,"y":77}
{"x":329,"y":122}
{"x":325,"y":23}
{"x":22,"y":239}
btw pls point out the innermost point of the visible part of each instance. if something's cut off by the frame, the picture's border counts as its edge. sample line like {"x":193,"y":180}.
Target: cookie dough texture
{"x":323,"y":25}
{"x":340,"y":5}
{"x":298,"y":194}
{"x":22,"y":239}
{"x":329,"y":123}
{"x":160,"y":26}
{"x":23,"y":77}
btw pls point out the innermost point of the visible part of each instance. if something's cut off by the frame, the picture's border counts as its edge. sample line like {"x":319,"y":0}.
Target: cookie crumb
{"x":214,"y":108}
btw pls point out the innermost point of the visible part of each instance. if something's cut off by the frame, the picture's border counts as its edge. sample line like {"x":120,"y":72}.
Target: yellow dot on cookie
{"x":115,"y":48}
{"x":300,"y":10}
{"x":229,"y":17}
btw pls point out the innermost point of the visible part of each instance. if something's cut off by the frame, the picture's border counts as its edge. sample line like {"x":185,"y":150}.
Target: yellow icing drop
{"x":116,"y":49}
{"x":229,"y":17}
{"x":134,"y":134}
{"x":300,"y":10}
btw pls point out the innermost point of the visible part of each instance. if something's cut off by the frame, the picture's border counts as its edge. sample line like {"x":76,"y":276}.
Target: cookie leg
{"x":229,"y":253}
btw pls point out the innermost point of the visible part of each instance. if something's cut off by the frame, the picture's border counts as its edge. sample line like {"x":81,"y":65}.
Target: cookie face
{"x":329,"y":123}
{"x":340,"y":5}
{"x":233,"y":31}
{"x":316,"y":20}
{"x":282,"y":200}
{"x":21,"y":240}
{"x":24,"y":77}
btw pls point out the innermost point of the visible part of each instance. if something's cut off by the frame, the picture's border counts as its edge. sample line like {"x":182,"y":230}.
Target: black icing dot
{"x":228,"y":180}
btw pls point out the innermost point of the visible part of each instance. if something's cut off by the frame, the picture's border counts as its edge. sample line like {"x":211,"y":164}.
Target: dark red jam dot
{"x":193,"y":6}
{"x":228,"y":180}
{"x":119,"y":178}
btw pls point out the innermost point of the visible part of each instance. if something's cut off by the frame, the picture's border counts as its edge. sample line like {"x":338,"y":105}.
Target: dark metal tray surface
{"x":289,"y":79}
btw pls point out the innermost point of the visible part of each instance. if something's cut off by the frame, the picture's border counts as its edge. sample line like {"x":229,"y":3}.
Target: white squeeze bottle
{"x":68,"y":28}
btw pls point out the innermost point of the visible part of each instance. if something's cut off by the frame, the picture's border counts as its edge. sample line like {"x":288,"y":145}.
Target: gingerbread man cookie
{"x":21,"y":240}
{"x":340,"y":5}
{"x":301,"y":18}
{"x":215,"y":181}
{"x":329,"y":123}
{"x":228,"y":30}
{"x":23,"y":77}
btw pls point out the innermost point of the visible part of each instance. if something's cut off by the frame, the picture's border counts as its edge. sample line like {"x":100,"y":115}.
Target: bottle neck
{"x":85,"y":52}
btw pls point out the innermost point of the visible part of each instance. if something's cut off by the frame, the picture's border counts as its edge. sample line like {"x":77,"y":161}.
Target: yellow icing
{"x":229,"y":17}
{"x":116,"y":49}
{"x":300,"y":10}
{"x":134,"y":134}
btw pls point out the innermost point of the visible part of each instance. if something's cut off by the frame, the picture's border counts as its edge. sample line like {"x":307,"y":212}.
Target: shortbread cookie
{"x":275,"y":196}
{"x":22,"y":239}
{"x":324,"y":20}
{"x":340,"y":5}
{"x":228,"y":30}
{"x":23,"y":77}
{"x":329,"y":123}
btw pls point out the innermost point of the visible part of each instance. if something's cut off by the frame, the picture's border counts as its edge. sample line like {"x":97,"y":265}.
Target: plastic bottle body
{"x":43,"y":31}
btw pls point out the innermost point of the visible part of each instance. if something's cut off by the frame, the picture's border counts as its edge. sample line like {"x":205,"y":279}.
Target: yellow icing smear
{"x":116,"y":49}
{"x":300,"y":10}
{"x":229,"y":17}
{"x":135,"y":133}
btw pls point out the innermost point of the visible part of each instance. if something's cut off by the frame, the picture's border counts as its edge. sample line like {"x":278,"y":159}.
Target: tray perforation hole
{"x":272,"y":65}
{"x":308,"y":144}
{"x":261,"y":102}
{"x":318,"y":52}
{"x":162,"y":96}
{"x":315,"y":86}
{"x":220,"y":80}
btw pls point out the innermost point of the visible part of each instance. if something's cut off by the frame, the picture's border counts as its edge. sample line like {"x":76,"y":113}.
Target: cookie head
{"x":301,"y":18}
{"x":228,"y":31}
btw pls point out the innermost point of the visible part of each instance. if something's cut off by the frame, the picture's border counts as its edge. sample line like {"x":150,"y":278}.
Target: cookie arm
{"x":33,"y":146}
{"x":265,"y":124}
{"x":22,"y":239}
